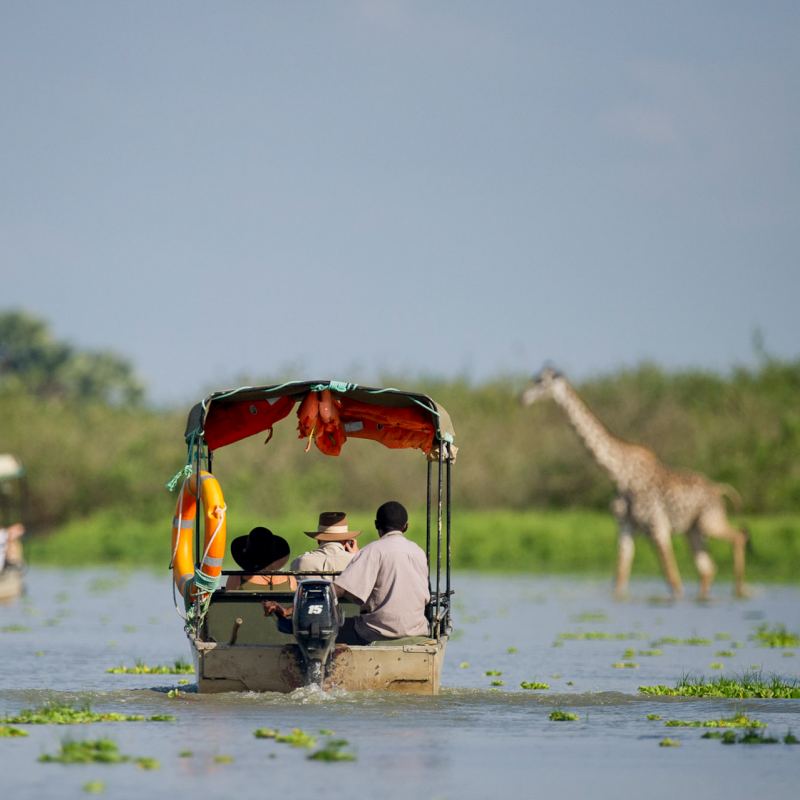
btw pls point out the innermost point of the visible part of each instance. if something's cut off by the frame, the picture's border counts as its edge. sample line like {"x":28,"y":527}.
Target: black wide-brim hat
{"x":258,"y":549}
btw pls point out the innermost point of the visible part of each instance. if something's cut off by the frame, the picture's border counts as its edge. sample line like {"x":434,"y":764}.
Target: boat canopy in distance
{"x":328,"y":412}
{"x":10,"y":467}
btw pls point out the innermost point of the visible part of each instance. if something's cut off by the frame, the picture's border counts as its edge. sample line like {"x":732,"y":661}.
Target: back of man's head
{"x":391,"y":516}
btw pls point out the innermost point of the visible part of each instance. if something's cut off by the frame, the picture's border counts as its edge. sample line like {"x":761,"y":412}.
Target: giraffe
{"x":651,"y":498}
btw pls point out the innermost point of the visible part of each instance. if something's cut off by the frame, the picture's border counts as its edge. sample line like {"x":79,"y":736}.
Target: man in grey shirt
{"x":337,"y":544}
{"x":389,"y":580}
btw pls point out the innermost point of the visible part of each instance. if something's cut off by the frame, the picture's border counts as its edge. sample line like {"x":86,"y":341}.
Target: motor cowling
{"x":316,"y":624}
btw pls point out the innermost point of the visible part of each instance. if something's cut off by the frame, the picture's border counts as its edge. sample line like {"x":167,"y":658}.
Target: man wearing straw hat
{"x":337,"y":545}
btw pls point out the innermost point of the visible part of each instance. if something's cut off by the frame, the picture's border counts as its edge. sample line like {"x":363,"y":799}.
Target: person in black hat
{"x":259,"y":552}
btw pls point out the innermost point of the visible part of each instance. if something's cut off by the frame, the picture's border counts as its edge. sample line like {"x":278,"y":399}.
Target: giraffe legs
{"x":714,"y":524}
{"x":662,"y":540}
{"x":703,"y":561}
{"x":625,"y":551}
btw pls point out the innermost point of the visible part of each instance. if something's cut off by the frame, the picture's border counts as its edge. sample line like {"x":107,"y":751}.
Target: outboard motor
{"x":316,"y":624}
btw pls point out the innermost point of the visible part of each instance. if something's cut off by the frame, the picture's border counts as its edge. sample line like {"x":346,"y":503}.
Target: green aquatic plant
{"x":737,"y":721}
{"x":629,"y":653}
{"x":693,"y":641}
{"x":185,"y":754}
{"x":591,"y":616}
{"x":493,"y":672}
{"x":511,"y":650}
{"x":722,"y":637}
{"x":599,"y":636}
{"x":178,"y":667}
{"x":102,"y":751}
{"x":790,"y":738}
{"x":464,"y":665}
{"x":749,"y":685}
{"x":173,"y":693}
{"x":94,"y":787}
{"x":625,"y":665}
{"x":325,"y":732}
{"x":563,"y":716}
{"x":724,"y":654}
{"x":534,"y":685}
{"x":265,"y":733}
{"x":297,"y":738}
{"x":654,"y":716}
{"x":161,"y":718}
{"x":58,"y":714}
{"x":223,"y":759}
{"x":750,"y":736}
{"x":7,"y":732}
{"x":716,"y":665}
{"x":144,"y":762}
{"x":667,"y":742}
{"x":776,"y":637}
{"x":653,"y":652}
{"x":332,"y":751}
{"x":498,"y":683}
{"x":15,"y":628}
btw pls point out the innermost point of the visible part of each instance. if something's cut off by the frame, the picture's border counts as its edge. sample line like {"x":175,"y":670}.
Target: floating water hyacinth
{"x":57,"y":714}
{"x":563,"y":716}
{"x":178,"y":667}
{"x":625,"y":665}
{"x":7,"y":732}
{"x":493,"y":672}
{"x":102,"y":751}
{"x":749,"y":685}
{"x":667,"y":742}
{"x":737,"y":721}
{"x":332,"y":751}
{"x":265,"y":733}
{"x":534,"y":685}
{"x":297,"y":738}
{"x":776,"y":637}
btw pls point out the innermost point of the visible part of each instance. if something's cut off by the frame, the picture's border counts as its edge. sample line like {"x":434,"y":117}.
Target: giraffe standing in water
{"x":651,"y":498}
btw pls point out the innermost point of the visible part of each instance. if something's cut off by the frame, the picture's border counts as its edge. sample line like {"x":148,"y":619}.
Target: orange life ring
{"x":183,"y":567}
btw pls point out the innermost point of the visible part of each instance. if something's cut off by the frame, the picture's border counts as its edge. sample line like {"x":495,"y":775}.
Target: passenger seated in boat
{"x":387,"y":578}
{"x":10,"y":546}
{"x":259,"y":552}
{"x":336,"y":546}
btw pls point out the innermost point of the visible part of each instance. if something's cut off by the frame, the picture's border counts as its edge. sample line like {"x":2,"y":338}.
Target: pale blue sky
{"x":217,"y":189}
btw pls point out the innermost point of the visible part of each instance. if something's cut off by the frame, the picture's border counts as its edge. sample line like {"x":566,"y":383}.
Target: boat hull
{"x":409,"y":668}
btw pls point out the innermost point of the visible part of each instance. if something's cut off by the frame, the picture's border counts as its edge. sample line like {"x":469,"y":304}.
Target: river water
{"x":475,"y":740}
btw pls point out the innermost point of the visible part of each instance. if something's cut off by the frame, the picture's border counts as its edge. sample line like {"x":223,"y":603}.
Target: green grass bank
{"x":537,"y":542}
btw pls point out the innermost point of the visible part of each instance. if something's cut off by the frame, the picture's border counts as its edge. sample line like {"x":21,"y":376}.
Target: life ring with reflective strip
{"x":183,"y":567}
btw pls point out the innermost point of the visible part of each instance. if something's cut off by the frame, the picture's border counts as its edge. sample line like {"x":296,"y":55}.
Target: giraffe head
{"x":548,"y":383}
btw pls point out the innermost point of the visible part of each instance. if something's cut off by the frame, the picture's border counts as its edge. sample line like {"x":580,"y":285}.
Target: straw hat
{"x":332,"y":528}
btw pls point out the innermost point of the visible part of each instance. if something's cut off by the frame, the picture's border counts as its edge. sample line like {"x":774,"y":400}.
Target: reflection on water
{"x":474,"y":740}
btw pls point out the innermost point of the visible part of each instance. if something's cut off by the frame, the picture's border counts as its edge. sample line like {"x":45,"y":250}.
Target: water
{"x":473,"y":741}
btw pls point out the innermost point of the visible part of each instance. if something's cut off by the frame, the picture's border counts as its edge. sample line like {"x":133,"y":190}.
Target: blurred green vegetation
{"x":564,"y":541}
{"x":97,"y":464}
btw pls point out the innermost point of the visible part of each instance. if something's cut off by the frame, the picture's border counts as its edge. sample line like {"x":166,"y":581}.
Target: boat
{"x":233,"y":645}
{"x":12,"y":501}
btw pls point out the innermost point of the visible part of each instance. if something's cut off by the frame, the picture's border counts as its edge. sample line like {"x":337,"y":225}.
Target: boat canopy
{"x":329,"y":412}
{"x":10,"y":467}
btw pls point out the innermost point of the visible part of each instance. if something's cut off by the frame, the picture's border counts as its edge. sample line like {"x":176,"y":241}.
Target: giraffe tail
{"x":726,"y":490}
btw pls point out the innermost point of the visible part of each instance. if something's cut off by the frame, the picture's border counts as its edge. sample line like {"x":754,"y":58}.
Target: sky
{"x":227,"y":191}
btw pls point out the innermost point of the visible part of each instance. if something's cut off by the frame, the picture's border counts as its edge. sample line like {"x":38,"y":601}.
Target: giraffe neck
{"x":606,"y":449}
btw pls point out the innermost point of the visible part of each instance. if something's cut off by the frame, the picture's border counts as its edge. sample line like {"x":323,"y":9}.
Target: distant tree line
{"x":90,"y":443}
{"x":32,"y":360}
